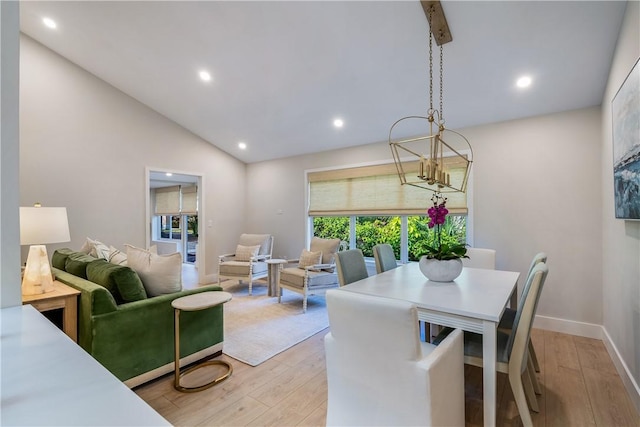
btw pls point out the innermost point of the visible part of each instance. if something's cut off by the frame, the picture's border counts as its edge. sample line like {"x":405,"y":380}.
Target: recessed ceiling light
{"x":338,"y":123}
{"x":242,"y":145}
{"x":168,"y":174}
{"x":524,"y":81}
{"x":49,"y":22}
{"x":205,"y":76}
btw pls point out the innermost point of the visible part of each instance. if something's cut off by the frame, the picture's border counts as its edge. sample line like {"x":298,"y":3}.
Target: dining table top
{"x":479,"y":293}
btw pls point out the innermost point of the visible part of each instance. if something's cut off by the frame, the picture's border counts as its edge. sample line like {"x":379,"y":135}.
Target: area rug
{"x":256,"y":327}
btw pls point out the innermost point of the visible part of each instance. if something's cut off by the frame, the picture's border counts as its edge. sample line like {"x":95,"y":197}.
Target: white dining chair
{"x":480,"y":258}
{"x":379,"y":373}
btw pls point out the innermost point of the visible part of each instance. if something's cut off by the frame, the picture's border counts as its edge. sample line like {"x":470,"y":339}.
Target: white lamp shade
{"x":39,"y":226}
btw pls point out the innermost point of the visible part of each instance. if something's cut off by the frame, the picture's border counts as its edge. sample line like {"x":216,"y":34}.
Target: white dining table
{"x":473,"y":302}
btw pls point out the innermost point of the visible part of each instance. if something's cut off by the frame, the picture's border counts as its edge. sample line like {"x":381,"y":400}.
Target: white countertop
{"x":48,"y":380}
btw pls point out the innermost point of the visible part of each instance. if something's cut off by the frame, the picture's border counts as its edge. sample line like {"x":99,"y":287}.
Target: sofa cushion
{"x":116,"y":256}
{"x":76,"y":264}
{"x":294,"y":276}
{"x":160,"y":274}
{"x":328,"y":247}
{"x":245,"y":253}
{"x":95,"y":248}
{"x":264,"y":240}
{"x":308,"y":258}
{"x":59,"y":258}
{"x":123,"y":283}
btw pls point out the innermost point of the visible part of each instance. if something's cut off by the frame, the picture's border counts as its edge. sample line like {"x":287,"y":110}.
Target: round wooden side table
{"x":196,"y":302}
{"x":273,"y":275}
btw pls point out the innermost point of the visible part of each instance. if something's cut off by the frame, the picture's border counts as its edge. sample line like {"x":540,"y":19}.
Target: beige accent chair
{"x":378,"y":371}
{"x":313,"y":279}
{"x":247,"y":268}
{"x":385,"y":257}
{"x":480,"y":258}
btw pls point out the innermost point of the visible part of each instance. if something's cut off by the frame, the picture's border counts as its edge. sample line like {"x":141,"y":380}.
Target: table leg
{"x":489,"y":377}
{"x":70,"y":317}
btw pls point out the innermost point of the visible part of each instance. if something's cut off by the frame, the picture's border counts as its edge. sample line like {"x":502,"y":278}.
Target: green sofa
{"x":129,"y":334}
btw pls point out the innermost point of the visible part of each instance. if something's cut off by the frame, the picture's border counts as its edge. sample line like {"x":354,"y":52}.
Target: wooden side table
{"x":195,"y":302}
{"x":64,"y":297}
{"x":273,"y":275}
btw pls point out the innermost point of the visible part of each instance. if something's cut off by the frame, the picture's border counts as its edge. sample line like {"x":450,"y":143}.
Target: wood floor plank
{"x":580,"y":387}
{"x":609,"y":399}
{"x":566,"y":399}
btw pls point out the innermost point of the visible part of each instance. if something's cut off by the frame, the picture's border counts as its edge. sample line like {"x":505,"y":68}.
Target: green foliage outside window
{"x":386,"y":229}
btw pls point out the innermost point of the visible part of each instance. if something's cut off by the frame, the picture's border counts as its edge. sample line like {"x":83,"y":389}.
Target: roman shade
{"x":176,"y":200}
{"x":376,"y":190}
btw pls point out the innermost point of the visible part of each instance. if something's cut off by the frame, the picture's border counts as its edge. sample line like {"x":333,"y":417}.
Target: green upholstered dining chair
{"x":351,"y":266}
{"x":512,"y":348}
{"x":385,"y":257}
{"x":509,"y":315}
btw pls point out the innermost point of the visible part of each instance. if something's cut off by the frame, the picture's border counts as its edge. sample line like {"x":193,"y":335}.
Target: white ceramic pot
{"x":440,"y":271}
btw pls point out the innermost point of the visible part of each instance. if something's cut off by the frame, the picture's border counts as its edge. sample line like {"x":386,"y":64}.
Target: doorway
{"x":174,"y":211}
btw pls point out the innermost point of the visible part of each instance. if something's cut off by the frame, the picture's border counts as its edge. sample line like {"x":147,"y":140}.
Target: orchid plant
{"x":437,"y":217}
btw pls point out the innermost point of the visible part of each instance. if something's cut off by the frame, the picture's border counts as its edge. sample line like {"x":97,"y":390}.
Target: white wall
{"x":621,"y":239}
{"x":535,"y":188}
{"x":9,"y":149}
{"x":85,"y":145}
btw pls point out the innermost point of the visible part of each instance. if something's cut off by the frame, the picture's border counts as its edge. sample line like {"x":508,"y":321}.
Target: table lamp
{"x":39,"y":226}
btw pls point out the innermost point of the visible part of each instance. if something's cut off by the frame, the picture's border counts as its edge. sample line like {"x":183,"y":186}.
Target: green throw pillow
{"x":76,"y":264}
{"x":123,"y":283}
{"x":59,"y":258}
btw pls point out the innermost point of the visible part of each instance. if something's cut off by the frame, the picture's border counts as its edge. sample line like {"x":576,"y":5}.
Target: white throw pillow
{"x":116,"y":256}
{"x":160,"y":274}
{"x":95,"y":248}
{"x":308,"y":259}
{"x":245,"y":253}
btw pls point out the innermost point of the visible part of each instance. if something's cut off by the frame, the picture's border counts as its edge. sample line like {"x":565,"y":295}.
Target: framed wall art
{"x":625,"y":108}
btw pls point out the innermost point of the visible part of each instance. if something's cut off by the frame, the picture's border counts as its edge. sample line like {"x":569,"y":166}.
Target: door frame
{"x":201,"y":250}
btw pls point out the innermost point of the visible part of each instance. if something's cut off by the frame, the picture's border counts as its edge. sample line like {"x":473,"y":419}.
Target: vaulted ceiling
{"x":282,"y":71}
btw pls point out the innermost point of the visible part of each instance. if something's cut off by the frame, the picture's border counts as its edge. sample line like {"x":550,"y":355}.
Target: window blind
{"x":376,"y":190}
{"x":189,"y":200}
{"x":176,"y":200}
{"x":168,"y":200}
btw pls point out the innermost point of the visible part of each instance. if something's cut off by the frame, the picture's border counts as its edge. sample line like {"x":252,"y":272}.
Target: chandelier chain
{"x":430,"y":63}
{"x":441,"y":84}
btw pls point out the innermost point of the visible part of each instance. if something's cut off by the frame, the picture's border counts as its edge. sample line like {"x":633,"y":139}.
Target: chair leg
{"x":532,"y":374}
{"x":250,"y":286}
{"x":534,"y":358}
{"x":515,"y":379}
{"x":528,"y":389}
{"x":304,"y":303}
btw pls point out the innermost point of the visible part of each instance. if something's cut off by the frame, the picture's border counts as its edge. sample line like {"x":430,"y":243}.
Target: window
{"x":176,"y":217}
{"x":367,"y":205}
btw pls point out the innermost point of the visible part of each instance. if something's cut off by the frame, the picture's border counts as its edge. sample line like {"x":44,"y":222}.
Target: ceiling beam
{"x":439,"y":26}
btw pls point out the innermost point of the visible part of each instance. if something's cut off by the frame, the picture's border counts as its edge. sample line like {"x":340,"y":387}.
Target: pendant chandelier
{"x":435,"y":158}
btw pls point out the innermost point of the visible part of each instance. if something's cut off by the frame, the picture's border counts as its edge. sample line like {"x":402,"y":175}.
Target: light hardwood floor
{"x":580,"y":387}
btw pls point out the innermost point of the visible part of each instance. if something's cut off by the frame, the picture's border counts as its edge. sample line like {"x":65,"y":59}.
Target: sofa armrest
{"x":94,"y":299}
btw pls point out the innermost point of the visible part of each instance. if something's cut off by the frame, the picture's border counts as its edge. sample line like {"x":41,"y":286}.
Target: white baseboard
{"x":629,"y":383}
{"x":590,"y":330}
{"x":581,"y":329}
